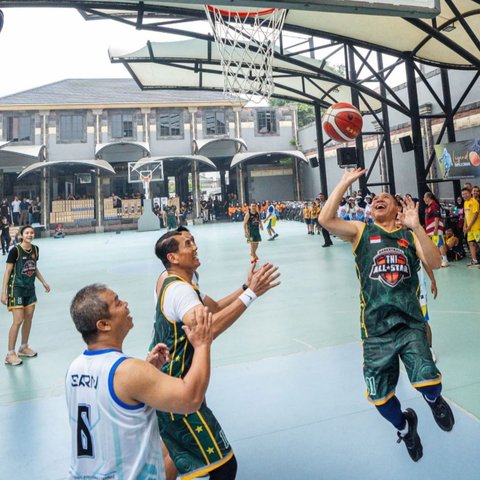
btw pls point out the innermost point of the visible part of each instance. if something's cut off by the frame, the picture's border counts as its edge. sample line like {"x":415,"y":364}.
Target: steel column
{"x":322,"y":167}
{"x":447,"y":101}
{"x":386,"y":130}
{"x":416,"y":127}
{"x":352,"y":75}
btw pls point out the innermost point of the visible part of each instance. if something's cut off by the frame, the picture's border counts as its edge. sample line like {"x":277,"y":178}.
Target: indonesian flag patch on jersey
{"x":375,"y":239}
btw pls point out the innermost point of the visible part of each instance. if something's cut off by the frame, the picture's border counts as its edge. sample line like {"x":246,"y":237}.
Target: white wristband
{"x":247,"y":297}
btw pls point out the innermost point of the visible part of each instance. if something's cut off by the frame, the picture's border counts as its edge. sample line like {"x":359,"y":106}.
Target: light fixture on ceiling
{"x":449,"y":28}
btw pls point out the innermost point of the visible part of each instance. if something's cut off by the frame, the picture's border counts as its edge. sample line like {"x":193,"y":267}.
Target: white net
{"x":246,"y":41}
{"x":146,"y":178}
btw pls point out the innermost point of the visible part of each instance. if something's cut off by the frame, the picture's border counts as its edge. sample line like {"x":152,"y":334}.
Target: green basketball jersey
{"x":254,"y":225}
{"x":24,"y":272}
{"x":171,"y":334}
{"x":387,"y":266}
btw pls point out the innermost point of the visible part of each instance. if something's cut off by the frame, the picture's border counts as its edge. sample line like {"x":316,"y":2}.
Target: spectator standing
{"x":16,"y":211}
{"x":471,"y":225}
{"x":5,"y":235}
{"x":327,"y":241}
{"x":6,"y":211}
{"x":24,"y":208}
{"x":434,"y":224}
{"x":36,"y":210}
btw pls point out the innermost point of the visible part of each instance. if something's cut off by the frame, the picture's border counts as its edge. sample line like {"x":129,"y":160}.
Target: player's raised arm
{"x":138,"y":381}
{"x":426,"y":249}
{"x":328,"y":216}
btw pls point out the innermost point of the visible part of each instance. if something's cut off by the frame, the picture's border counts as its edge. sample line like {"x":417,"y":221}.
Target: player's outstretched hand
{"x":158,"y":355}
{"x":351,"y":176}
{"x":263,"y":279}
{"x":200,"y":333}
{"x":409,"y":215}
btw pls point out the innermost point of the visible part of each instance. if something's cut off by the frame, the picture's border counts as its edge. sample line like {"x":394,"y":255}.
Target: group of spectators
{"x":21,"y":212}
{"x":237,"y":212}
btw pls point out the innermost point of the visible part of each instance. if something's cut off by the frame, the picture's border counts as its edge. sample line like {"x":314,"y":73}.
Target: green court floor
{"x":314,"y":312}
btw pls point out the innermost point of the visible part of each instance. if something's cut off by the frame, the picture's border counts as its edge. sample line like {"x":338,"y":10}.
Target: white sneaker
{"x":434,"y":357}
{"x":444,"y":263}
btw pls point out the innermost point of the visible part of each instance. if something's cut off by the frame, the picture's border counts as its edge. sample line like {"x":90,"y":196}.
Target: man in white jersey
{"x":112,"y":398}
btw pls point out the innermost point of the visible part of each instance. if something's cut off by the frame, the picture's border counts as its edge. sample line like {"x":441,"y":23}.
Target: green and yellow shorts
{"x":196,"y":442}
{"x":381,"y":362}
{"x":21,"y":300}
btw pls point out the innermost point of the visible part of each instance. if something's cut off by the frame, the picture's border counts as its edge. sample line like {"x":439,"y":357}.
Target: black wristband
{"x":244,"y":286}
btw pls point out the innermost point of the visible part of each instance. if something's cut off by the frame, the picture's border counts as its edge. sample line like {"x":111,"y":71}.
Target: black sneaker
{"x":411,"y":438}
{"x":442,"y":413}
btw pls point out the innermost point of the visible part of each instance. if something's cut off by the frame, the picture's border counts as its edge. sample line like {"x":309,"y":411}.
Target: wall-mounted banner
{"x":459,"y":159}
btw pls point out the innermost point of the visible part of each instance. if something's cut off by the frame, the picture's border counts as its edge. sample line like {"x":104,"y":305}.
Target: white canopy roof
{"x":245,"y":156}
{"x":200,"y":158}
{"x":194,"y":64}
{"x":14,"y":157}
{"x":219,"y":147}
{"x":425,"y":39}
{"x":101,"y":164}
{"x":101,"y":147}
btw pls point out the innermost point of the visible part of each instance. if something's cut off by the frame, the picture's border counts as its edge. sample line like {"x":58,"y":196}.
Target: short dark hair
{"x":465,"y":189}
{"x":87,"y":308}
{"x":166,"y":244}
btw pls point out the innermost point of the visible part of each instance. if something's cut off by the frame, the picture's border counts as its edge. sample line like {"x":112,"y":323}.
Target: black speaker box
{"x":313,"y":162}
{"x":347,"y":157}
{"x":406,"y":143}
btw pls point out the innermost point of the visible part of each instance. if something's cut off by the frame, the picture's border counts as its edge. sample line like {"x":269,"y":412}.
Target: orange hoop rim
{"x":227,"y":13}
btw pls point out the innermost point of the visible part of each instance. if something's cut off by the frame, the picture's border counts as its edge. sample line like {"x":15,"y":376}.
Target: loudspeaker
{"x":313,"y":162}
{"x":406,"y":143}
{"x":347,"y":157}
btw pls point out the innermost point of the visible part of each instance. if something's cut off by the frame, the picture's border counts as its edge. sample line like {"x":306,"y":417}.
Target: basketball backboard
{"x":398,"y":8}
{"x":145,"y":167}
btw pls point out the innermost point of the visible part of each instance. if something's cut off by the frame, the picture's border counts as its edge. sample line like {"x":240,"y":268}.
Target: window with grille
{"x":72,"y":128}
{"x":122,"y":125}
{"x":20,"y":128}
{"x":266,"y":121}
{"x":215,"y":123}
{"x":170,"y":125}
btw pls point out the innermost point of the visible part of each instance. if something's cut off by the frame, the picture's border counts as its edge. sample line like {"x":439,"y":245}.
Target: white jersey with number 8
{"x":110,"y":439}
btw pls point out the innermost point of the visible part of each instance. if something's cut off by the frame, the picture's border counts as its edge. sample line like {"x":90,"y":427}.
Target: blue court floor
{"x":287,"y":382}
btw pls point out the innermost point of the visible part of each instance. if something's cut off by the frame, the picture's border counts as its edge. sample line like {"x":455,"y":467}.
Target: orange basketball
{"x":474,"y":158}
{"x":342,"y":122}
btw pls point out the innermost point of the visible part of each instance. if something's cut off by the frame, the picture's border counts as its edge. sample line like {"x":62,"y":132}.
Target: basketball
{"x":474,"y":158}
{"x":342,"y":122}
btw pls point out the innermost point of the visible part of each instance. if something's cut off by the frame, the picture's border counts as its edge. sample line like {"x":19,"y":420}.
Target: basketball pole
{"x":322,"y":168}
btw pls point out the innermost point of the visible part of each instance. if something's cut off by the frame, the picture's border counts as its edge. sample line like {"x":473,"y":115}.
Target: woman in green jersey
{"x":18,"y":293}
{"x":252,"y":224}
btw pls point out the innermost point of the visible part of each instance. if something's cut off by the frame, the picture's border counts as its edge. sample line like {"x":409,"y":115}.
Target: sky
{"x":39,"y":46}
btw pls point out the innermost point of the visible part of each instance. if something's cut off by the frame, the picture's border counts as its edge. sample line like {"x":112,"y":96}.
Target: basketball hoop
{"x":246,"y":41}
{"x":146,"y":178}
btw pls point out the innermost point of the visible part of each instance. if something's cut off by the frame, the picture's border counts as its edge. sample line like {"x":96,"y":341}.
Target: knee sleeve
{"x":392,"y":411}
{"x":431,"y":392}
{"x":228,"y":471}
